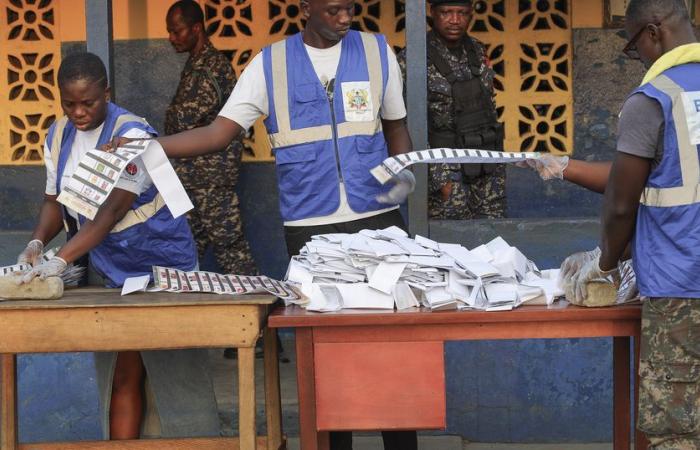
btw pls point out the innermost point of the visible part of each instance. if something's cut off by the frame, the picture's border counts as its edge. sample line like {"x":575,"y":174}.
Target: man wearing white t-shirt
{"x":333,"y":112}
{"x":334,"y":109}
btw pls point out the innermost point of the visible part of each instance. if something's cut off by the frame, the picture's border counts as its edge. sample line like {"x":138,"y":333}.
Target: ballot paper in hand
{"x":14,"y":268}
{"x":395,"y":164}
{"x":98,"y":173}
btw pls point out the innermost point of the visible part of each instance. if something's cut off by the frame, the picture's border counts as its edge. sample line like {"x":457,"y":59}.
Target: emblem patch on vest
{"x":131,"y":169}
{"x":691,"y":103}
{"x":357,"y":101}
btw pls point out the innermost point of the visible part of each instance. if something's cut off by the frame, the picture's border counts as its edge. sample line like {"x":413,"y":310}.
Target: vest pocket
{"x":296,"y":169}
{"x":310,"y":106}
{"x":371,"y":151}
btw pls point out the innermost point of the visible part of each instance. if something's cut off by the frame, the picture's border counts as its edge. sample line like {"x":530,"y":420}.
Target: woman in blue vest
{"x":131,"y":232}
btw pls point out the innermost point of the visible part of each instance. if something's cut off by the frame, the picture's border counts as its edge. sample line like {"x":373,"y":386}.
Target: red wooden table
{"x":384,"y":370}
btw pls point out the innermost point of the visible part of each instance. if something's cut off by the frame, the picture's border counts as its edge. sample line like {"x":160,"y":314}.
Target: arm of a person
{"x":245,"y":105}
{"x":397,"y":138}
{"x":50,"y":220}
{"x":439,"y":179}
{"x":393,"y":112}
{"x":92,"y":232}
{"x":628,"y":177}
{"x":201,"y":141}
{"x":51,"y":212}
{"x":590,"y":175}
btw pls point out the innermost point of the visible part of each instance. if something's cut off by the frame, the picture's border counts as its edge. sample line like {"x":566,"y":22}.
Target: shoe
{"x":232,"y":353}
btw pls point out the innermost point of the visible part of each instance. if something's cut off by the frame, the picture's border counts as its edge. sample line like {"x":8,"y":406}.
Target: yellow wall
{"x":587,"y":13}
{"x":133,"y":19}
{"x":28,"y":94}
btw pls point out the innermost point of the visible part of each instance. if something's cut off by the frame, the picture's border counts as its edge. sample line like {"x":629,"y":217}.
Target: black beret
{"x":450,"y":2}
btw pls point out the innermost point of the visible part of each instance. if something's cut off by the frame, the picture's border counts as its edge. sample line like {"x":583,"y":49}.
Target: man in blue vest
{"x":334,"y":106}
{"x":652,"y":202}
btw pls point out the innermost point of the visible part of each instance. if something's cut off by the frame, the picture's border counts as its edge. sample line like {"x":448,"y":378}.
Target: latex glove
{"x":589,"y":272}
{"x":574,"y":263}
{"x":628,"y":283}
{"x":547,"y":165}
{"x":51,"y":268}
{"x":404,"y":184}
{"x":32,"y":253}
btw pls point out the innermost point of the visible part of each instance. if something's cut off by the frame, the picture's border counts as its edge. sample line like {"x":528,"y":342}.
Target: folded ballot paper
{"x":383,"y":269}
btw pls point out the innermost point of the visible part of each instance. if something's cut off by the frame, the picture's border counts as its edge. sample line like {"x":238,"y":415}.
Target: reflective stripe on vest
{"x":285,"y":136}
{"x":689,"y":192}
{"x":56,"y":141}
{"x":140,"y":214}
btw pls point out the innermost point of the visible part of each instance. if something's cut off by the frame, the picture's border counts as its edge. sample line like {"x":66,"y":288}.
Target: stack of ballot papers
{"x":386,"y":268}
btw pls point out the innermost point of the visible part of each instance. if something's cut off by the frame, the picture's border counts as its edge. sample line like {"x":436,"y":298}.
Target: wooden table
{"x":90,"y":319}
{"x":384,"y":370}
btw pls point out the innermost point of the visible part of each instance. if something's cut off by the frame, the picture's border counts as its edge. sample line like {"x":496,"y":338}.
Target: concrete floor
{"x":225,"y":385}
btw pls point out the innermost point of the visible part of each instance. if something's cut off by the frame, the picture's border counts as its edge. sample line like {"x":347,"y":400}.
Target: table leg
{"x":273,"y":410}
{"x":246,"y":398}
{"x":8,"y":402}
{"x":309,"y":436}
{"x":621,"y":393}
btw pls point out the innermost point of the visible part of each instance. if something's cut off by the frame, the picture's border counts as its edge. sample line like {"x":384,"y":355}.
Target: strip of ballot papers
{"x":174,"y":280}
{"x":387,"y":268}
{"x":395,"y":164}
{"x":98,"y":173}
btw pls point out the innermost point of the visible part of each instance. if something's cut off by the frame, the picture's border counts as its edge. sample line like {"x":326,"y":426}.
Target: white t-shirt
{"x":249,"y":101}
{"x":85,"y":141}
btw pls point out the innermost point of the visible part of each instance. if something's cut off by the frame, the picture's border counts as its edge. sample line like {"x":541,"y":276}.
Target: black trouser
{"x":393,"y":440}
{"x":296,"y":238}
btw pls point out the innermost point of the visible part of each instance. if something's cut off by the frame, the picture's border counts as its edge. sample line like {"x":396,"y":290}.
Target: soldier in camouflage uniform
{"x":461,"y":114}
{"x":205,"y":83}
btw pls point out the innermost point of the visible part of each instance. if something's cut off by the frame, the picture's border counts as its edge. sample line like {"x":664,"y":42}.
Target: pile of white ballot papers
{"x":386,"y":268}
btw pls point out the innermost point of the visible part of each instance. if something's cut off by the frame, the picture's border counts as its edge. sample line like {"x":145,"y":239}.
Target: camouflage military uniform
{"x":206,"y":82}
{"x":484,"y":196}
{"x":669,"y":389}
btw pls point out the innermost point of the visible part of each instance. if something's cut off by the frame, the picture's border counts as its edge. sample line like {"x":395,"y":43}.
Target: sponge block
{"x":599,"y":293}
{"x":48,"y":289}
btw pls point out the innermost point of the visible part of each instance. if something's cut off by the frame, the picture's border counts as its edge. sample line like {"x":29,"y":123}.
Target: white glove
{"x":547,"y":165}
{"x":32,"y":253}
{"x":574,"y":263}
{"x":589,"y":272}
{"x":404,"y":184}
{"x":52,"y":268}
{"x":628,"y":283}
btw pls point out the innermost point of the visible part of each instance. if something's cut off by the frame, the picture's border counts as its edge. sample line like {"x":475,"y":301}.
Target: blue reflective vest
{"x":315,"y":142}
{"x":667,"y":239}
{"x":148,"y":234}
